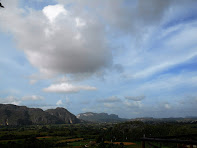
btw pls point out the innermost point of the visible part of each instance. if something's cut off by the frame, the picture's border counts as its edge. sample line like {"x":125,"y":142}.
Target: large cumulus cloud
{"x":62,"y":39}
{"x":64,"y":43}
{"x":127,"y":16}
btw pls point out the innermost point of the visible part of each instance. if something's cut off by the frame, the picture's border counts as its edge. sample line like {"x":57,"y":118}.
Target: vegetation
{"x":120,"y":135}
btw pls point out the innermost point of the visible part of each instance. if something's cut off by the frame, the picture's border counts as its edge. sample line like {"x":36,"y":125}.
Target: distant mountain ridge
{"x":22,"y":115}
{"x":187,"y":119}
{"x":100,"y":117}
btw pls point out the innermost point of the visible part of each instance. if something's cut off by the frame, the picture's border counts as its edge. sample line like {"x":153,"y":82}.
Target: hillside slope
{"x":64,"y":115}
{"x":22,"y":115}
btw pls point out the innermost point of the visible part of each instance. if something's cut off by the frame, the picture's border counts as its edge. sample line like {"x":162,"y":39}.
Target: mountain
{"x":64,"y":115}
{"x":22,"y":115}
{"x":99,"y":117}
{"x":14,"y":115}
{"x":171,"y":119}
{"x":38,"y":116}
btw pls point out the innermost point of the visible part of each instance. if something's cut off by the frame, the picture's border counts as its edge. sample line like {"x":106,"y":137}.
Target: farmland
{"x":126,"y":134}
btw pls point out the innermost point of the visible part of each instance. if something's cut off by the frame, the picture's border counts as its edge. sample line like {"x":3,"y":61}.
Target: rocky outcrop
{"x":64,"y":115}
{"x":22,"y":115}
{"x":14,"y":115}
{"x":99,"y":117}
{"x":38,"y":116}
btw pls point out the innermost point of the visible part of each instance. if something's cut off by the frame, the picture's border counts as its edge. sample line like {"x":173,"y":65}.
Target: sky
{"x":133,"y":58}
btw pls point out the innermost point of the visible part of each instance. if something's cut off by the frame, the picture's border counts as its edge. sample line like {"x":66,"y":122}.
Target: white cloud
{"x":128,"y":19}
{"x":62,"y":53}
{"x":33,"y":98}
{"x":67,"y":88}
{"x":56,"y":43}
{"x":80,"y":22}
{"x":167,"y":106}
{"x":60,"y":41}
{"x":52,"y":11}
{"x":59,"y":103}
{"x":134,"y":104}
{"x":10,"y":100}
{"x":63,"y":79}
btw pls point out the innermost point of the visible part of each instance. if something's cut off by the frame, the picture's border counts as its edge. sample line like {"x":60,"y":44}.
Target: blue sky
{"x":132,"y":58}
